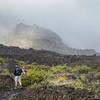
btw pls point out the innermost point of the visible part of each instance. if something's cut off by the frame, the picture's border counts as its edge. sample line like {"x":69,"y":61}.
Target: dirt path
{"x":7,"y":91}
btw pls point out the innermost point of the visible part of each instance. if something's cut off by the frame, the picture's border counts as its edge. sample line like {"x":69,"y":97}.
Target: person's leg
{"x":19,"y":80}
{"x":16,"y":81}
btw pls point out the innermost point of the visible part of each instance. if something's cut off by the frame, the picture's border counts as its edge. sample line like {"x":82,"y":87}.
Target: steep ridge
{"x":36,"y":37}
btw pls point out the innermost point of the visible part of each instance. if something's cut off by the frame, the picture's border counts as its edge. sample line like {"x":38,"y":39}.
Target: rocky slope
{"x":46,"y":57}
{"x":7,"y":92}
{"x":26,"y":36}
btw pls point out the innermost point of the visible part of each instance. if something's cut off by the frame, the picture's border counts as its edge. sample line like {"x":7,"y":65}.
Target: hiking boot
{"x":21,"y":87}
{"x":15,"y":87}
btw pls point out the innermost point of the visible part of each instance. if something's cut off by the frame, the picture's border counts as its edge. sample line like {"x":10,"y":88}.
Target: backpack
{"x":18,"y":71}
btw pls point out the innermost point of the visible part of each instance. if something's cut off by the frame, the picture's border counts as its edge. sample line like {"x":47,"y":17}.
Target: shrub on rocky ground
{"x":95,"y":87}
{"x":98,"y":75}
{"x":4,"y":71}
{"x":2,"y":61}
{"x":34,"y":75}
{"x":58,"y":69}
{"x":81,"y":69}
{"x":83,"y":78}
{"x":61,"y":78}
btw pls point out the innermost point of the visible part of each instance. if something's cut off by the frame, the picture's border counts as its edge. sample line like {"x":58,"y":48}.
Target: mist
{"x":77,"y":22}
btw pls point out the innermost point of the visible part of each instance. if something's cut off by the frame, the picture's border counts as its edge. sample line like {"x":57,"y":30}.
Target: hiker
{"x":17,"y":73}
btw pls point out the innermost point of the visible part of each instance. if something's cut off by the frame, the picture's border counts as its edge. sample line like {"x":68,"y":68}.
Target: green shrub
{"x":98,"y":74}
{"x":68,"y":69}
{"x":35,"y":86}
{"x":83,"y":78}
{"x":58,"y":69}
{"x":61,"y":78}
{"x":2,"y":61}
{"x":36,"y":75}
{"x":95,"y":87}
{"x":4,"y":71}
{"x":78,"y":84}
{"x":80,"y":69}
{"x":26,"y":80}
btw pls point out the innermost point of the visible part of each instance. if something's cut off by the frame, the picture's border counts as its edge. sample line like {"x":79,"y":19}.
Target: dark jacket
{"x":18,"y":71}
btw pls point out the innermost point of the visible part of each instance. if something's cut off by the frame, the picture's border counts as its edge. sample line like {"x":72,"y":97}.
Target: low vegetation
{"x":86,"y":78}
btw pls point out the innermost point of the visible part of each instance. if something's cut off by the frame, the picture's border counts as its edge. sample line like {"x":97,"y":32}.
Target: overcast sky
{"x":76,"y":21}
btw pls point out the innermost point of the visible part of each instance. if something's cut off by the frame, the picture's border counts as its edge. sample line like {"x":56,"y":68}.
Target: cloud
{"x":76,"y":21}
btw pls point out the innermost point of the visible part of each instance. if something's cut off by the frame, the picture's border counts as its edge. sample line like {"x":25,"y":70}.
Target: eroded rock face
{"x":27,"y":36}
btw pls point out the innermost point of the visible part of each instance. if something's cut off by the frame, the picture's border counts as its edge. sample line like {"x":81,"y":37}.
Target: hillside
{"x":59,"y":82}
{"x":49,"y":75}
{"x":36,"y":37}
{"x":42,"y":93}
{"x":46,"y":57}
